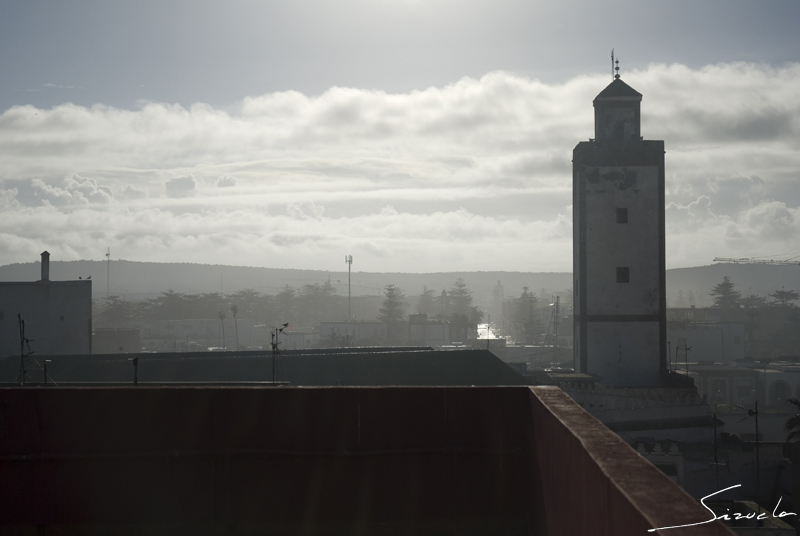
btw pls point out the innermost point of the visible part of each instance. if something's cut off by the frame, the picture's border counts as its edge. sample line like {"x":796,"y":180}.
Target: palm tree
{"x":234,"y":310}
{"x":222,"y":323}
{"x":793,"y":423}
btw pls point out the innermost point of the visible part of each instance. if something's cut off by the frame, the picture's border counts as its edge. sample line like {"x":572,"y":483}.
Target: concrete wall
{"x":621,"y":353}
{"x":429,"y":333}
{"x":324,"y":461}
{"x":57,"y":314}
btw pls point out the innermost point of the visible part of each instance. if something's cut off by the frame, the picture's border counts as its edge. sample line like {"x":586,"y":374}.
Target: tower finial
{"x":616,"y":76}
{"x":612,"y":63}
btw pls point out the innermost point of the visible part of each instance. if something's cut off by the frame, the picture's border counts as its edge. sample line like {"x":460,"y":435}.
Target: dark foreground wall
{"x":395,"y":460}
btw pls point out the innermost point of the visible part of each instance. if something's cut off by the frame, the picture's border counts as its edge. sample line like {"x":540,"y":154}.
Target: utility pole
{"x":555,"y":325}
{"x":234,"y":310}
{"x":758,"y":463}
{"x":754,"y":413}
{"x":716,"y":459}
{"x":108,"y":272}
{"x":21,"y":349}
{"x":222,"y":323}
{"x":349,"y":260}
{"x":686,"y":350}
{"x":275,"y":342}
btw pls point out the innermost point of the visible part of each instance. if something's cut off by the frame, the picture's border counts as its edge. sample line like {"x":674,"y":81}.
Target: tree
{"x":426,"y":302}
{"x":460,"y":298}
{"x":524,"y":316}
{"x":783,"y":297}
{"x":725,"y":297}
{"x":207,"y":305}
{"x":752,"y":311}
{"x":222,"y":323}
{"x":752,"y":301}
{"x":464,"y":317}
{"x":170,"y":305}
{"x":285,"y":305}
{"x":248,"y":301}
{"x":115,"y":309}
{"x":394,"y":305}
{"x":235,"y":310}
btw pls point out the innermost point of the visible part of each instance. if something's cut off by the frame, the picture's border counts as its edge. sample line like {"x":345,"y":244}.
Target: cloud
{"x":8,"y":199}
{"x":132,"y":192}
{"x":472,"y":175}
{"x":181,"y":186}
{"x":226,"y":181}
{"x":69,"y":192}
{"x":305,"y":210}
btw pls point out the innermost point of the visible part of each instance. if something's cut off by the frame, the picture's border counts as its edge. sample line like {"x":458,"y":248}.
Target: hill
{"x":145,"y":279}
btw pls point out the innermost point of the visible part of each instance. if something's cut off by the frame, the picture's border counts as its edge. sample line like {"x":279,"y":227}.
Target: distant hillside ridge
{"x":145,"y":279}
{"x":135,"y":280}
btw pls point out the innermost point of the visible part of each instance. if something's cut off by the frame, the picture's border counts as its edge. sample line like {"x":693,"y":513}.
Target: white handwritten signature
{"x":726,"y":517}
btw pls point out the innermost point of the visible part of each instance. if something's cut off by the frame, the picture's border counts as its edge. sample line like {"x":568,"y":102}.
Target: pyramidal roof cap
{"x":618,"y":90}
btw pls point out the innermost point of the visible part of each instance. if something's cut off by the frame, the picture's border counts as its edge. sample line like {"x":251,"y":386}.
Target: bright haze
{"x":417,"y":136}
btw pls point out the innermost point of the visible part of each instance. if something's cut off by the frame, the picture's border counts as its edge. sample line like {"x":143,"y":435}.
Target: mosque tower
{"x":618,"y":246}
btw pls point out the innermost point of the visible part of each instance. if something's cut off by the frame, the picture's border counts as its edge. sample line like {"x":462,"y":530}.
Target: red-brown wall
{"x":322,"y":461}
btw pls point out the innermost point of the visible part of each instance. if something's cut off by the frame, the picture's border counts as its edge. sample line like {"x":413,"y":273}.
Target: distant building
{"x":720,"y":342}
{"x":57,"y":315}
{"x":116,"y":340}
{"x":619,"y":254}
{"x":337,"y":333}
{"x":297,"y":340}
{"x":427,"y":332}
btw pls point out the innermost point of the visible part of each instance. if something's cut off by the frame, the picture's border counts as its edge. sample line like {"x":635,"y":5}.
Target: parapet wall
{"x":218,"y":460}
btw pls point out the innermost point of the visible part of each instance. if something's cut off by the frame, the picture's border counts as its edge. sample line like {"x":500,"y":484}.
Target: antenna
{"x":108,"y":271}
{"x":612,"y":64}
{"x":349,"y":260}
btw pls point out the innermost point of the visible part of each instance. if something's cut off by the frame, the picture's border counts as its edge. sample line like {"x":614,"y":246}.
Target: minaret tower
{"x":618,"y":246}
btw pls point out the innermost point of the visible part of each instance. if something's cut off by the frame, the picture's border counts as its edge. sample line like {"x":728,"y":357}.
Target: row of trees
{"x":771,"y":323}
{"x":306,"y":305}
{"x":726,"y":297}
{"x":454,"y":306}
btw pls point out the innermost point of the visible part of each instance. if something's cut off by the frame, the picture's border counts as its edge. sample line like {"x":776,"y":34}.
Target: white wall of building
{"x":57,"y":315}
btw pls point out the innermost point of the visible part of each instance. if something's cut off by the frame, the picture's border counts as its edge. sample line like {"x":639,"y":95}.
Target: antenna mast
{"x":349,"y":260}
{"x":612,"y":64}
{"x":108,"y":272}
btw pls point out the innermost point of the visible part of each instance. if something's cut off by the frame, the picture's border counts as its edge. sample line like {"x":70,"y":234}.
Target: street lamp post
{"x":349,"y":260}
{"x":275,"y":342}
{"x":754,"y":413}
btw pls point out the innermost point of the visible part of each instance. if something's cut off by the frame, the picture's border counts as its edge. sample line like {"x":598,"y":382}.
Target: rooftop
{"x":618,"y":90}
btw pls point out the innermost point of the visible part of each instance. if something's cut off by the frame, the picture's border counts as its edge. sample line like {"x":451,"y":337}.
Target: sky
{"x":416,"y":136}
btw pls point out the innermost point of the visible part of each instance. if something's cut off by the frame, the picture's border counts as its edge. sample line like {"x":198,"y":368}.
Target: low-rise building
{"x":57,"y":315}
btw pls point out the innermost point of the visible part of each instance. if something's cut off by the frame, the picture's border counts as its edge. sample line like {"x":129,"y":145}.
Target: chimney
{"x":45,"y":266}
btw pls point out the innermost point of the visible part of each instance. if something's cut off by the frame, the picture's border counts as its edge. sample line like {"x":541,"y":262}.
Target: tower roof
{"x":618,"y":90}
